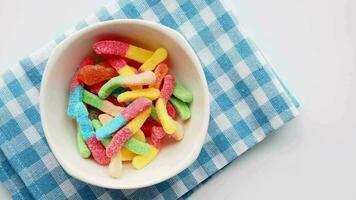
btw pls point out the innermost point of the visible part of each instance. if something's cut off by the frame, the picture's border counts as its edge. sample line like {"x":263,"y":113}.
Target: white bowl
{"x":60,"y":130}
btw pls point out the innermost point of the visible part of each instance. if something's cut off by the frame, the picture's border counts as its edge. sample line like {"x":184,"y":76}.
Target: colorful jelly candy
{"x":111,"y":98}
{"x":112,"y":47}
{"x":126,"y":132}
{"x":130,"y":112}
{"x":93,"y":74}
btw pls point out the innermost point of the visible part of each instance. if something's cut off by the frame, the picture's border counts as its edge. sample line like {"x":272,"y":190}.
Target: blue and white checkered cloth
{"x":248,"y":102}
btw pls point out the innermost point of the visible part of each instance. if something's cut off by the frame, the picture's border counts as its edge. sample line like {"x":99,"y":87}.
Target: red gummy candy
{"x":116,"y":63}
{"x":86,"y":61}
{"x":111,"y":47}
{"x":167,"y":87}
{"x":98,"y":151}
{"x":115,"y":102}
{"x":96,"y":87}
{"x":118,"y":141}
{"x":157,"y":133}
{"x":93,"y":74}
{"x":146,"y":128}
{"x":171,"y":110}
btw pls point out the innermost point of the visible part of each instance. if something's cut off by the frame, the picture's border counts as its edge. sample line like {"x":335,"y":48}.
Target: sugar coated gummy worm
{"x":115,"y":166}
{"x":103,"y":105}
{"x":75,"y":97}
{"x":113,"y":47}
{"x":157,"y":57}
{"x":126,"y":155}
{"x":139,"y":162}
{"x":123,"y":68}
{"x":167,"y":87}
{"x":93,"y":74}
{"x":182,"y":108}
{"x":182,"y":93}
{"x":126,"y":132}
{"x":157,"y":133}
{"x":105,"y":118}
{"x":84,"y":152}
{"x":86,"y":127}
{"x":130,"y":112}
{"x":150,"y":93}
{"x":144,"y":78}
{"x":161,"y":71}
{"x":167,"y":122}
{"x":82,"y":117}
{"x":98,"y":151}
{"x":135,"y":144}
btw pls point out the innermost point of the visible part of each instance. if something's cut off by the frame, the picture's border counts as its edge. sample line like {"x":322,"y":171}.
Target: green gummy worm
{"x":92,"y":99}
{"x":109,"y":87}
{"x":137,"y":146}
{"x":182,"y":93}
{"x":181,"y":107}
{"x":154,"y":113}
{"x":84,"y":151}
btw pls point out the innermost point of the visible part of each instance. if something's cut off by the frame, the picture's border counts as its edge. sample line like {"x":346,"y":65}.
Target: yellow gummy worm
{"x":135,"y":124}
{"x":138,"y":54}
{"x":150,"y":93}
{"x":127,"y":155}
{"x":168,"y":124}
{"x":139,"y":162}
{"x":157,"y":57}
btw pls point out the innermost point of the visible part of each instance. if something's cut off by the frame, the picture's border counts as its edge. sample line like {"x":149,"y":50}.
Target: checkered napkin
{"x":247,"y":101}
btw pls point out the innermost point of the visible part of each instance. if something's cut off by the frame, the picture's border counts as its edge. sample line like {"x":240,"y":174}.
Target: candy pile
{"x":124,"y":112}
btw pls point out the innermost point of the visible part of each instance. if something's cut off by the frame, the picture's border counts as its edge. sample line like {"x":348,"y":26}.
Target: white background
{"x":312,"y":45}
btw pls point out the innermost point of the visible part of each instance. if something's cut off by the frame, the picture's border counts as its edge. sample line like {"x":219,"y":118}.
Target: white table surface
{"x":313,"y":47}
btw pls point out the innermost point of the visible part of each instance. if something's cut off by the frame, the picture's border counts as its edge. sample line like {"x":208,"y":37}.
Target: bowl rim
{"x":177,"y":36}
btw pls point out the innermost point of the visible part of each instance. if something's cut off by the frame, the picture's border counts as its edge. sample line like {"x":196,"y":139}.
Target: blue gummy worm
{"x":75,"y":96}
{"x":113,"y":125}
{"x":85,"y":125}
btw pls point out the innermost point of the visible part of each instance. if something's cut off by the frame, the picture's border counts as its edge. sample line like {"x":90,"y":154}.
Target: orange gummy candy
{"x":93,"y":74}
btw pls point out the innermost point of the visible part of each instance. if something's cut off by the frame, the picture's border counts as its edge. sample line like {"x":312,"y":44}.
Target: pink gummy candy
{"x":98,"y":151}
{"x":86,"y":61}
{"x":157,"y":133}
{"x":117,"y":141}
{"x":171,"y":110}
{"x":167,"y":87}
{"x":147,"y":127}
{"x":111,"y":47}
{"x":135,"y":108}
{"x":116,"y":63}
